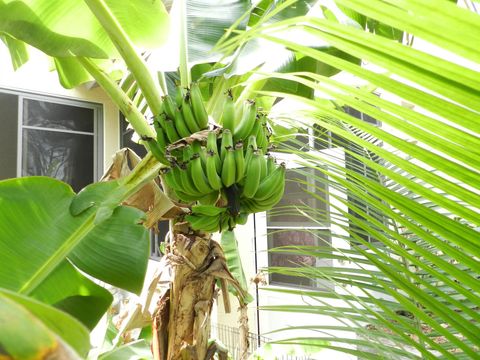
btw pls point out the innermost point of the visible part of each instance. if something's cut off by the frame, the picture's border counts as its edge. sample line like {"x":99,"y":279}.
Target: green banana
{"x":270,"y":202}
{"x":214,"y":179}
{"x":161,"y":139}
{"x":212,"y":148}
{"x":187,"y":198}
{"x":177,"y":178}
{"x":156,"y":124}
{"x":249,"y":206}
{"x":271,"y":184}
{"x":271,"y":164}
{"x":229,"y":168}
{"x":169,"y":106}
{"x":188,"y":116}
{"x":256,"y":127}
{"x":208,"y":210}
{"x":252,"y":142}
{"x":263,"y":167}
{"x":228,"y":115}
{"x":227,"y":143}
{"x":196,"y":146}
{"x":224,"y":222}
{"x":242,"y":218}
{"x":239,"y":162}
{"x":252,"y":176}
{"x":159,"y":121}
{"x":168,"y":178}
{"x":157,"y":151}
{"x":244,"y":128}
{"x":188,"y":186}
{"x":170,"y":130}
{"x":180,"y":124}
{"x":209,"y":199}
{"x":198,"y":149}
{"x":179,"y":93}
{"x":198,"y":176}
{"x":251,"y":147}
{"x":205,"y":223}
{"x":187,"y":153}
{"x":201,"y":115}
{"x":262,"y":138}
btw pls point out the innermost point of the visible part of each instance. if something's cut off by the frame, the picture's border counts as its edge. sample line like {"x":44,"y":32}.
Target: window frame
{"x":261,"y":227}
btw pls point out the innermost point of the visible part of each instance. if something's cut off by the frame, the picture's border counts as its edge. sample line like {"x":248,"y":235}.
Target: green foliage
{"x":35,"y":329}
{"x":205,"y":27}
{"x":234,"y":261}
{"x":424,"y":184}
{"x":136,"y":350}
{"x":38,"y":234}
{"x":407,"y":202}
{"x":67,"y":29}
{"x":31,"y":205}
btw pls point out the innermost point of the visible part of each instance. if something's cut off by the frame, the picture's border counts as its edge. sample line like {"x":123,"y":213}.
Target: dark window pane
{"x":8,"y":135}
{"x":360,"y":115}
{"x":299,"y":182}
{"x":126,"y":138}
{"x":157,"y":238}
{"x":64,"y":156}
{"x":278,"y":238}
{"x":57,"y":116}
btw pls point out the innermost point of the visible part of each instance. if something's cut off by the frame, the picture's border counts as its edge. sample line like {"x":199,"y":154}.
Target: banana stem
{"x":162,"y":81}
{"x":145,"y":171}
{"x":185,"y":77}
{"x":126,"y":106}
{"x":135,"y":63}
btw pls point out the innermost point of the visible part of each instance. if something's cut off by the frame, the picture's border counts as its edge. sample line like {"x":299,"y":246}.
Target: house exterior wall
{"x":34,"y":77}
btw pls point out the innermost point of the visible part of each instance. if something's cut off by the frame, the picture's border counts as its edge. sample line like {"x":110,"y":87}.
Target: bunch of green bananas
{"x":180,"y":117}
{"x":229,"y":173}
{"x":227,"y":178}
{"x":246,"y":122}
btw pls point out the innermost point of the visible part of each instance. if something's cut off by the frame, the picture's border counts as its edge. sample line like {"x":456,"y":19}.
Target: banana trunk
{"x":181,"y":323}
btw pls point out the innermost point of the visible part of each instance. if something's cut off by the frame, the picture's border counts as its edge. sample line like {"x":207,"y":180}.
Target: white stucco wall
{"x":35,"y":77}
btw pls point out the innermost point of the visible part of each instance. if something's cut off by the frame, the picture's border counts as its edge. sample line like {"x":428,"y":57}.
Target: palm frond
{"x":406,"y":206}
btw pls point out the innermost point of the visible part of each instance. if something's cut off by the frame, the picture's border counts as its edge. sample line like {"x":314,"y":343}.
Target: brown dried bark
{"x":196,"y":262}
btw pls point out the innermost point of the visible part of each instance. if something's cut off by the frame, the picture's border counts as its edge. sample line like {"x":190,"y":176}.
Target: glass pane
{"x":57,"y":116}
{"x":64,"y":156}
{"x":362,"y":116}
{"x":277,"y":238}
{"x":8,"y":135}
{"x":126,"y":138}
{"x":298,"y":183}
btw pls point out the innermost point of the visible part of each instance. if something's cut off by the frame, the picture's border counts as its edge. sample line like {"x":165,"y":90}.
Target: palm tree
{"x":406,"y":204}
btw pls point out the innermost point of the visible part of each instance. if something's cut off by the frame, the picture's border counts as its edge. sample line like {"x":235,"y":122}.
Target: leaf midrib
{"x":58,"y":256}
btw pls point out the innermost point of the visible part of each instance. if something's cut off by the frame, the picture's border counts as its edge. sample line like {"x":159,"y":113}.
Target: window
{"x":354,"y":164}
{"x":292,"y":223}
{"x":287,"y":226}
{"x":324,"y":139}
{"x":50,"y":137}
